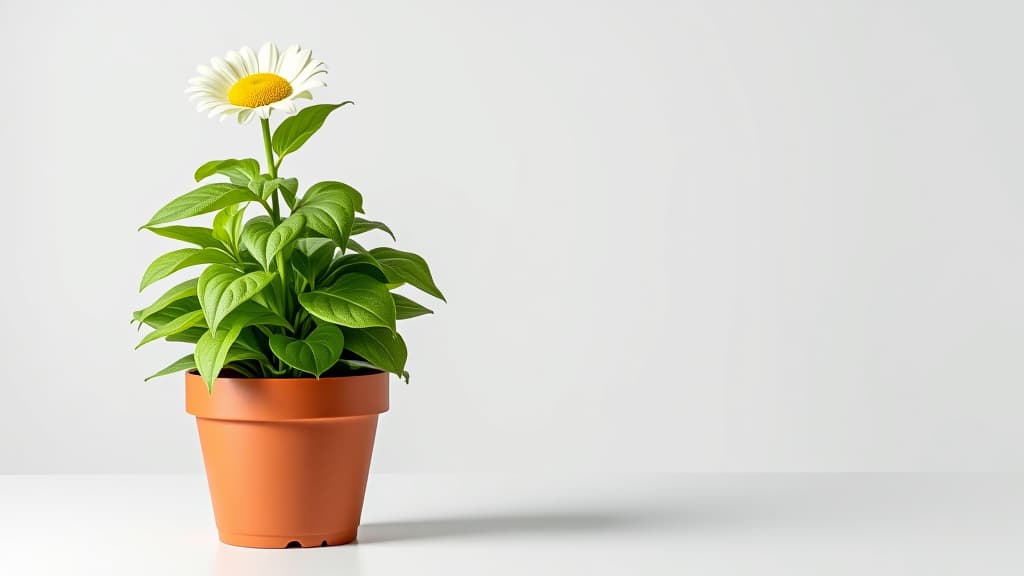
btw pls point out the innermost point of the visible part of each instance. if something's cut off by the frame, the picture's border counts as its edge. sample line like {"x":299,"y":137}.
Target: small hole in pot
{"x":294,"y":544}
{"x":324,"y":543}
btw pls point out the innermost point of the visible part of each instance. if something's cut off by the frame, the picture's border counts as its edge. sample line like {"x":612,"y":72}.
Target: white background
{"x":687,"y":237}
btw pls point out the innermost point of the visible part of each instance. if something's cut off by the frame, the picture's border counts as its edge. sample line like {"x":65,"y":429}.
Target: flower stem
{"x":271,"y":169}
{"x":275,"y":216}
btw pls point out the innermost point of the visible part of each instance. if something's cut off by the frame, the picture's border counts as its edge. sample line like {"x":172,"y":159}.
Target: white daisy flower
{"x":247,"y":84}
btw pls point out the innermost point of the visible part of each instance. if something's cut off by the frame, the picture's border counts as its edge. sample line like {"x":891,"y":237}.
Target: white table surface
{"x":758,"y":524}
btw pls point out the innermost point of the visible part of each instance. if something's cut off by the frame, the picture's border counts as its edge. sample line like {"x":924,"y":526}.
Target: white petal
{"x":308,"y":74}
{"x":252,"y":64}
{"x":284,"y":59}
{"x":205,"y":105}
{"x":214,"y":75}
{"x":304,"y":92}
{"x":287,"y":106}
{"x":212,"y":79}
{"x":221,"y":107}
{"x":314,"y":67}
{"x":218,"y":90}
{"x":197,"y":98}
{"x":295,"y":59}
{"x":204,"y":97}
{"x":244,"y":116}
{"x":263,"y":111}
{"x":225,"y":70}
{"x":307,"y":69}
{"x":315,"y":82}
{"x":205,"y":90}
{"x":237,"y":63}
{"x":269,"y":58}
{"x":200,"y":99}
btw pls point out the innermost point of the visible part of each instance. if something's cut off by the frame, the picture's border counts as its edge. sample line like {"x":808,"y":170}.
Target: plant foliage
{"x":288,"y":292}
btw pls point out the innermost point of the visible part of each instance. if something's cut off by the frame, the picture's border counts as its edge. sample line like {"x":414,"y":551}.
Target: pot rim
{"x":277,"y":399}
{"x":370,"y":372}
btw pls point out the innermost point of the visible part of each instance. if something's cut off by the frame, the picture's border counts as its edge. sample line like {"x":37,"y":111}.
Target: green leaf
{"x":407,"y":267}
{"x":239,"y":171}
{"x":235,"y":354}
{"x":288,"y":230}
{"x":314,"y":354}
{"x":197,"y":235}
{"x":246,"y":258}
{"x":238,"y":354}
{"x":179,"y":365}
{"x":354,"y":300}
{"x":358,"y":364}
{"x":179,"y":324}
{"x":260,"y":315}
{"x":312,"y":257}
{"x":382,"y":348}
{"x":356,"y":264}
{"x":202,"y":200}
{"x":329,"y":208}
{"x":227,"y":225}
{"x":183,"y":290}
{"x":263,"y":186}
{"x":172,"y":311}
{"x":254,"y":237}
{"x":250,"y":340}
{"x":273,"y":297}
{"x":190,"y":336}
{"x":222,"y":288}
{"x":290,"y":190}
{"x":171,"y":262}
{"x":213,"y":350}
{"x":406,"y":308}
{"x":264,"y":241}
{"x":356,"y":247}
{"x":295,"y":130}
{"x":361,"y":225}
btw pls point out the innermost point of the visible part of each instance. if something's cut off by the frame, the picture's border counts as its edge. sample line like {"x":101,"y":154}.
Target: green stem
{"x":267,"y":207}
{"x":275,"y":213}
{"x":282,"y":271}
{"x":275,"y":209}
{"x":271,"y":167}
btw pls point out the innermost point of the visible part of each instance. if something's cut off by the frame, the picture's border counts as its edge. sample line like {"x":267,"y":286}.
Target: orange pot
{"x":287,"y":458}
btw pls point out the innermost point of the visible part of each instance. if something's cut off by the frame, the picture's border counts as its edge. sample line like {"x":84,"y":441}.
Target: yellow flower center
{"x":257,"y":90}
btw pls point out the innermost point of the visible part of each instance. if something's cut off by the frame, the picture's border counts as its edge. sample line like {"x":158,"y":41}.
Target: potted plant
{"x":293,"y":321}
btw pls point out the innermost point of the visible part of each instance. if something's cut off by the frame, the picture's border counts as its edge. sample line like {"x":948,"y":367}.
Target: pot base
{"x":312,"y":541}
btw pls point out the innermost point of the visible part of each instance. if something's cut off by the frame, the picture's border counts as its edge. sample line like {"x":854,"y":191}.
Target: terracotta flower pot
{"x":287,"y":459}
